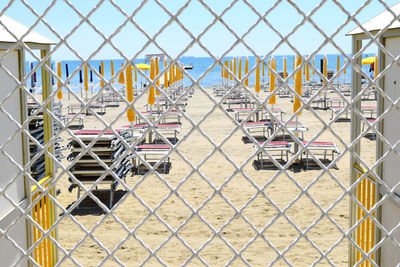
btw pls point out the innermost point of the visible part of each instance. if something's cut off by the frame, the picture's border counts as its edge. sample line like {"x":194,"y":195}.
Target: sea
{"x":203,"y":71}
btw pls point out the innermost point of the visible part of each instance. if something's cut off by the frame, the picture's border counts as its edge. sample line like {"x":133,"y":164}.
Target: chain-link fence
{"x":240,"y":157}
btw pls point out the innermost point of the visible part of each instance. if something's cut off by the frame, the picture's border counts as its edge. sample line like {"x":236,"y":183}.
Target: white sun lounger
{"x":281,"y":146}
{"x":153,"y":152}
{"x":320,"y":146}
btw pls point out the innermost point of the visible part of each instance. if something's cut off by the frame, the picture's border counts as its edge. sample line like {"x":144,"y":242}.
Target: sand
{"x":255,"y":229}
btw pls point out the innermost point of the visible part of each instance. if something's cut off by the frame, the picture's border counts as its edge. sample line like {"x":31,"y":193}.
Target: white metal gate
{"x":295,"y":167}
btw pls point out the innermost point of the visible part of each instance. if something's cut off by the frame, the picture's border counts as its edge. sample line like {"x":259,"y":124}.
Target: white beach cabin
{"x":17,"y":235}
{"x":378,"y":243}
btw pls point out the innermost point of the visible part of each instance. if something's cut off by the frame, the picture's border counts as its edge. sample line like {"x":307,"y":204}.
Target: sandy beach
{"x":273,"y":209}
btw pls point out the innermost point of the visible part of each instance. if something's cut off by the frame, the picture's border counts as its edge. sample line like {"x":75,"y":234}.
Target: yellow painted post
{"x":363,"y":224}
{"x":373,"y":223}
{"x":35,"y":238}
{"x":358,"y":219}
{"x":368,"y":238}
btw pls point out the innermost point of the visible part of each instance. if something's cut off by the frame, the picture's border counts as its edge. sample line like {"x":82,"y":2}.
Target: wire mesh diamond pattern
{"x":241,"y":162}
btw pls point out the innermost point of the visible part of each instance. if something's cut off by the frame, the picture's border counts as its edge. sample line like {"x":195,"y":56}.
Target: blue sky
{"x":151,"y":18}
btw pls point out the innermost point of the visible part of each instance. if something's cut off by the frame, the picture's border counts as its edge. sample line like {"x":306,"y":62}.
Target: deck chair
{"x":320,"y":146}
{"x":283,"y":147}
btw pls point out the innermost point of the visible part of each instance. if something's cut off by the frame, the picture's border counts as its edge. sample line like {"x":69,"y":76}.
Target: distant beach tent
{"x":142,"y":66}
{"x":368,"y":60}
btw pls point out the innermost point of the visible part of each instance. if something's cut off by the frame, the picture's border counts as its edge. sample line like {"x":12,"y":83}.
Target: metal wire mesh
{"x":225,"y":221}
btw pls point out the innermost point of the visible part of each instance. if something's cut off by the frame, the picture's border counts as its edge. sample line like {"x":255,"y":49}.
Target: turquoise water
{"x":200,"y":66}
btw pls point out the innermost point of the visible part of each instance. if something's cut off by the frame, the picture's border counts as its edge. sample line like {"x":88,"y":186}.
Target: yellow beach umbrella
{"x":272,"y":99}
{"x":325,"y":68}
{"x":121,"y":78}
{"x":338,"y":64}
{"x":135,"y":75}
{"x":129,"y":93}
{"x":176,"y":73}
{"x":151,"y":89}
{"x":313,"y":70}
{"x":165,"y":74}
{"x":143,"y":66}
{"x":246,"y":70}
{"x":102,"y":74}
{"x":86,"y":80}
{"x":112,"y":70}
{"x":307,"y":72}
{"x":368,"y":60}
{"x":226,"y":69}
{"x":257,"y":85}
{"x":59,"y":93}
{"x":171,"y":74}
{"x":231,"y":69}
{"x":234,"y":66}
{"x":294,"y":66}
{"x":345,"y":69}
{"x":297,"y":87}
{"x":222,"y":71}
{"x":376,"y":67}
{"x":284,"y":68}
{"x":263,"y":69}
{"x":157,"y":72}
{"x":240,"y":69}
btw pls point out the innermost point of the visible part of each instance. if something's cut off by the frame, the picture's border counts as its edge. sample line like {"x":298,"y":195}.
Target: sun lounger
{"x":318,"y":146}
{"x":283,"y":147}
{"x":239,"y":112}
{"x":292,"y":126}
{"x":79,"y":118}
{"x":72,"y":107}
{"x":256,"y":127}
{"x":153,"y":152}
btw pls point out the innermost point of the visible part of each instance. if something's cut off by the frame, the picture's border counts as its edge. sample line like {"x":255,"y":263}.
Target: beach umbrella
{"x":284,"y":68}
{"x":272,"y":99}
{"x":135,"y":75}
{"x":226,"y":69}
{"x":86,"y":83}
{"x":59,"y":93}
{"x":368,"y":60}
{"x":294,"y":66}
{"x":165,"y":74}
{"x":234,"y":66}
{"x":156,"y":74}
{"x":143,"y":66}
{"x":246,"y":70}
{"x":297,"y":87}
{"x":313,"y":70}
{"x":307,"y":72}
{"x":240,"y":69}
{"x":66,"y":71}
{"x":257,"y":85}
{"x":121,"y":78}
{"x":151,"y":89}
{"x":222,"y":72}
{"x":171,"y":75}
{"x":325,"y":68}
{"x":91,"y":76}
{"x":338,"y":65}
{"x":376,"y":67}
{"x":231,"y":69}
{"x":112,"y":70}
{"x":263,"y":69}
{"x":32,"y":76}
{"x":345,"y":69}
{"x":102,"y":74}
{"x":129,"y":93}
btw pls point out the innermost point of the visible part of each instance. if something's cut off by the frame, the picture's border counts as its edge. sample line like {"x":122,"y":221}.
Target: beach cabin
{"x":22,"y":200}
{"x":378,"y":242}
